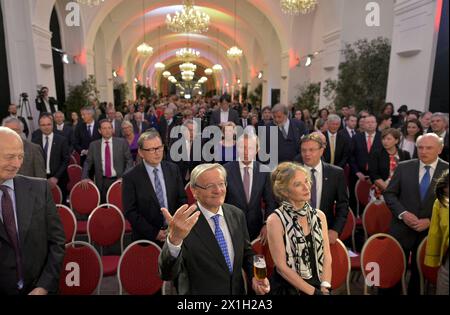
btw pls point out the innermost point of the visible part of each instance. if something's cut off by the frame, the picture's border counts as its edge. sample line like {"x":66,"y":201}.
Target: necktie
{"x":332,"y":148}
{"x":392,"y":165}
{"x":221,"y":241}
{"x":10,"y":226}
{"x":46,"y":149}
{"x":89,"y":130}
{"x":283,"y":132}
{"x":353,"y":133}
{"x":369,"y":143}
{"x":108,"y":171}
{"x":425,"y":182}
{"x":313,"y":188}
{"x":247,"y":183}
{"x":158,"y":189}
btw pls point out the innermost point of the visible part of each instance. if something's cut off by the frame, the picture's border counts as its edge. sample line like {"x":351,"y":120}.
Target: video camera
{"x":24,"y":95}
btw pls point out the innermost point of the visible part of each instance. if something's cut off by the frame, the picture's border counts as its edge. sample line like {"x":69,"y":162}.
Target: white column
{"x":284,"y":87}
{"x":90,"y":63}
{"x":331,"y":57}
{"x":413,"y":53}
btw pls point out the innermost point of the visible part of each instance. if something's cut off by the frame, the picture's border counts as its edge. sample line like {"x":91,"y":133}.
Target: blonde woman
{"x":297,"y":236}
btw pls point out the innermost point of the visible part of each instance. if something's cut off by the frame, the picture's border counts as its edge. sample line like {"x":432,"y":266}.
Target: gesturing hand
{"x":181,"y":223}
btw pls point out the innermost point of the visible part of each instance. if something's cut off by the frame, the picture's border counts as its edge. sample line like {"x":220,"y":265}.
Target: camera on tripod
{"x":24,"y":106}
{"x":24,"y":95}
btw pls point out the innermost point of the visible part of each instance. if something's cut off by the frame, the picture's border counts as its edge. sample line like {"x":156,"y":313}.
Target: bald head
{"x":11,"y":153}
{"x":429,"y":146}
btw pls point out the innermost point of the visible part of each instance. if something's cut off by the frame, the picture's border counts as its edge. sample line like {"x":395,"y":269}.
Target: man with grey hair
{"x":439,"y":125}
{"x":337,"y":151}
{"x":410,"y":196}
{"x":63,"y":127}
{"x":86,"y":132}
{"x":150,"y":186}
{"x":290,"y":132}
{"x":12,"y":110}
{"x":425,"y":120}
{"x":33,"y":163}
{"x":208,"y":244}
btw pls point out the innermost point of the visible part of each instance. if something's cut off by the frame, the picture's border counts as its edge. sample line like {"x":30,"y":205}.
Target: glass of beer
{"x":259,"y":267}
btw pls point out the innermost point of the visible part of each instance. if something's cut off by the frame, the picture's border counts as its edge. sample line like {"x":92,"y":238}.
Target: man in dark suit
{"x":224,"y":113}
{"x":116,"y":124}
{"x":439,"y":125}
{"x":166,"y":124}
{"x":148,"y":187}
{"x":253,"y":178}
{"x":55,"y":152}
{"x":64,"y":128}
{"x":110,"y":157}
{"x":139,"y":124}
{"x":410,"y":196}
{"x":85,"y":132}
{"x":31,"y":234}
{"x":244,"y":120}
{"x":12,"y":110}
{"x":337,"y":150}
{"x":328,"y":191}
{"x":44,"y":103}
{"x":208,"y":243}
{"x":349,"y":131}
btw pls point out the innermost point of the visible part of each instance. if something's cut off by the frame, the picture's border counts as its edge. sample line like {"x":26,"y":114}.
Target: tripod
{"x":24,"y":108}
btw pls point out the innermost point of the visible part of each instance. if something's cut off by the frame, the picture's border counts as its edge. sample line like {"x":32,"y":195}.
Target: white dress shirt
{"x":60,"y":127}
{"x":224,"y":116}
{"x":113,"y":171}
{"x":92,"y":124}
{"x":319,"y":181}
{"x":49,"y":150}
{"x":350,"y":131}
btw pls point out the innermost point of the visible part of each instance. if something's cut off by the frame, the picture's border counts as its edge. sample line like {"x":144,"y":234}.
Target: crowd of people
{"x":298,"y":207}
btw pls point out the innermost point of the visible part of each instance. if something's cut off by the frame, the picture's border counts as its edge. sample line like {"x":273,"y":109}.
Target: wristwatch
{"x":325,"y":284}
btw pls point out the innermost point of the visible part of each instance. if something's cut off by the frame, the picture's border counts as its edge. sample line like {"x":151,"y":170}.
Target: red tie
{"x":369,"y":143}
{"x":108,"y":171}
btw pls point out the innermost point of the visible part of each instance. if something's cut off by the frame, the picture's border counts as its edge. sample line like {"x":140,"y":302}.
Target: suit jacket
{"x":403,"y":194}
{"x":445,"y":152}
{"x":141,"y":205}
{"x":68,"y":132}
{"x":215,"y":117}
{"x":360,"y":157}
{"x":261,"y":190}
{"x":379,"y":163}
{"x":341,"y":150}
{"x":40,"y":105}
{"x":122,"y":159}
{"x":33,"y":163}
{"x":241,"y":122}
{"x":200,"y":268}
{"x":165,"y":129}
{"x":346,"y":136}
{"x":117,"y":128}
{"x":41,"y":237}
{"x":82,"y":139}
{"x":144,"y":128}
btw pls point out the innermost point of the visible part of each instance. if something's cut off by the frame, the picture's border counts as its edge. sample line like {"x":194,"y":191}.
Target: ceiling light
{"x":190,"y":20}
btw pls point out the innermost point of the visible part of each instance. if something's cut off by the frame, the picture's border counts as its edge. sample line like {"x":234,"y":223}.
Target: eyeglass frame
{"x":153,"y":150}
{"x":209,"y":187}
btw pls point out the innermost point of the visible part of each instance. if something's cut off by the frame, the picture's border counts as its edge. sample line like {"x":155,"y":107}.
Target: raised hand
{"x":181,"y":223}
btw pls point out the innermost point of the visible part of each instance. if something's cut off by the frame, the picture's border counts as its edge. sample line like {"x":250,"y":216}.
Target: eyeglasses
{"x":211,"y":187}
{"x":153,"y":150}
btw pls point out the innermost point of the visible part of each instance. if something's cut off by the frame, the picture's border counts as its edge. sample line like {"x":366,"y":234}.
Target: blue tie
{"x":221,"y":240}
{"x":158,"y":189}
{"x":425,"y":182}
{"x":46,"y":149}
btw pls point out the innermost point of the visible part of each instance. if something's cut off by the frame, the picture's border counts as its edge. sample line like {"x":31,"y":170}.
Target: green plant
{"x":143,"y":91}
{"x":82,"y":95}
{"x":123,"y":92}
{"x":363,"y":76}
{"x":308,"y":97}
{"x":255,"y":97}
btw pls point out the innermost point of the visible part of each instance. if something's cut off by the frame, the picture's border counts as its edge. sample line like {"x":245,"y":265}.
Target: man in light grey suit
{"x":110,"y":157}
{"x":33,"y":161}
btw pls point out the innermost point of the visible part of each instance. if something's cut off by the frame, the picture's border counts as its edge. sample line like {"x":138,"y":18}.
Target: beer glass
{"x":259,"y":267}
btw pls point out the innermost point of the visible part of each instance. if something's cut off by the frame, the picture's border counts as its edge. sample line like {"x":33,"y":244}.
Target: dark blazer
{"x":241,"y":122}
{"x":33,"y":163}
{"x":201,"y":268}
{"x":145,"y":126}
{"x":359,"y":158}
{"x":379,"y":163}
{"x":261,"y":190}
{"x":215,"y":117}
{"x":40,"y":104}
{"x":68,"y":132}
{"x":82,"y":139}
{"x":165,"y":129}
{"x":141,"y":204}
{"x":445,"y":152}
{"x":403,"y":194}
{"x":41,"y":237}
{"x":117,"y":128}
{"x":344,"y":133}
{"x":341,"y":150}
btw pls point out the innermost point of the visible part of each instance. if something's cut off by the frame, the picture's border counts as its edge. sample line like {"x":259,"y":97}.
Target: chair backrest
{"x":362,"y":193}
{"x":84,"y":201}
{"x":73,"y":160}
{"x":260,"y":249}
{"x":138,"y":272}
{"x":74,"y":172}
{"x":69,"y":222}
{"x":382,"y":256}
{"x":426,"y":273}
{"x":114,"y":194}
{"x":57,"y":194}
{"x":106,"y":225}
{"x":340,"y":265}
{"x":376,"y":218}
{"x":349,"y":226}
{"x":190,"y":196}
{"x":82,"y":270}
{"x":77,"y":157}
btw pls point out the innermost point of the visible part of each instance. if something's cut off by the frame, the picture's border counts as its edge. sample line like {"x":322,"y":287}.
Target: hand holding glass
{"x":259,"y":267}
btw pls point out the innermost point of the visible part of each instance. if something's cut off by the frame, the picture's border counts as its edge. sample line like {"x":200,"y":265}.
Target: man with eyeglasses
{"x":208,"y":244}
{"x":150,"y":186}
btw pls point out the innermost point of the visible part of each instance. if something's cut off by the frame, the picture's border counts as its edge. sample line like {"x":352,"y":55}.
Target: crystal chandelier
{"x":234,"y":52}
{"x":187,"y":76}
{"x":190,"y":20}
{"x":202,"y":80}
{"x":90,"y":2}
{"x":144,"y":49}
{"x":295,"y":7}
{"x":166,"y":74}
{"x":217,"y":68}
{"x":187,"y":66}
{"x":208,"y":71}
{"x":187,"y":54}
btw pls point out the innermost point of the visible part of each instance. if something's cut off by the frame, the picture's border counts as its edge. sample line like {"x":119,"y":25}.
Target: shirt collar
{"x":349,"y":129}
{"x":242,"y":165}
{"x":9,"y":183}
{"x":49,"y":136}
{"x":318,"y":167}
{"x":110,"y":140}
{"x":331,"y":134}
{"x":208,"y":214}
{"x":151,"y":168}
{"x":433,"y":165}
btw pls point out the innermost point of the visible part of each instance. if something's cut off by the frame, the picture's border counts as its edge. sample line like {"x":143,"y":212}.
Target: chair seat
{"x":81,"y":227}
{"x":127,"y":226}
{"x":110,"y":264}
{"x":355,"y":262}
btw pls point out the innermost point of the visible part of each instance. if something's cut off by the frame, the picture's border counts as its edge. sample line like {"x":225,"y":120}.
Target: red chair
{"x":84,"y":201}
{"x":340,"y":266}
{"x":73,"y":160}
{"x":260,"y":249}
{"x":105,"y":227}
{"x":383,"y":253}
{"x":69,"y":222}
{"x":427,"y":274}
{"x":190,"y":196}
{"x":57,"y":195}
{"x":362,"y":191}
{"x":138,"y":269}
{"x":74,"y":172}
{"x":114,"y":197}
{"x":376,"y":218}
{"x":77,"y":157}
{"x":349,"y":228}
{"x":81,"y":272}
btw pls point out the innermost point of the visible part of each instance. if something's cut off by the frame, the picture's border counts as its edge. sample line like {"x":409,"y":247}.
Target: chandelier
{"x":144,"y":49}
{"x":217,"y":68}
{"x":190,"y":20}
{"x":187,"y":76}
{"x":166,"y":74}
{"x":202,"y":80}
{"x":208,"y":71}
{"x":187,"y":66}
{"x":295,"y":7}
{"x":90,"y":2}
{"x":234,"y":52}
{"x":187,"y":54}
